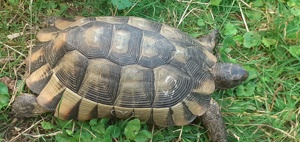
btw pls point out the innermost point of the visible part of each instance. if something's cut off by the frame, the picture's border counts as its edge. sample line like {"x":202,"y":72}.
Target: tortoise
{"x":126,"y":67}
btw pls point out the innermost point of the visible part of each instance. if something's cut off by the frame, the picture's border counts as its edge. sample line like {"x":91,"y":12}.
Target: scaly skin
{"x":213,"y":121}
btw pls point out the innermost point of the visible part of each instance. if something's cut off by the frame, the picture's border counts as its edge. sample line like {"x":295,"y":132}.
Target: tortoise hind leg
{"x":213,"y":121}
{"x":210,"y":41}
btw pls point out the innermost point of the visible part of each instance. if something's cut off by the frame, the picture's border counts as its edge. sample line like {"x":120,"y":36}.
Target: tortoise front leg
{"x":213,"y":122}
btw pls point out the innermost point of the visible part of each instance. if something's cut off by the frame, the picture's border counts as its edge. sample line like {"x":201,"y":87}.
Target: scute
{"x":171,"y":86}
{"x":144,"y":24}
{"x":71,"y":70}
{"x":155,"y":50}
{"x":95,"y":39}
{"x":125,"y":45}
{"x":136,"y":87}
{"x":121,"y":67}
{"x":101,"y":81}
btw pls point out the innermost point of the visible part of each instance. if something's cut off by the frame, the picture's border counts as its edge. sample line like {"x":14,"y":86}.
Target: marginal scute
{"x":178,"y":37}
{"x":142,"y":113}
{"x":197,"y":103}
{"x":69,"y":101}
{"x":182,"y":115}
{"x":36,"y":59}
{"x":211,"y":59}
{"x":104,"y":111}
{"x":87,"y":109}
{"x":144,"y":24}
{"x":113,"y":19}
{"x":62,"y":23}
{"x":55,"y":50}
{"x":50,"y":95}
{"x":123,"y":112}
{"x":47,"y":34}
{"x":39,"y":78}
{"x":163,"y":117}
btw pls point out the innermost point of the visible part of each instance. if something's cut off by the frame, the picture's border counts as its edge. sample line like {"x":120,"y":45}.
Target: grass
{"x":261,"y":35}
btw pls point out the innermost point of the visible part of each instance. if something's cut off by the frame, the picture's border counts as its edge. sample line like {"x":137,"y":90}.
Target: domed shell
{"x":120,"y":67}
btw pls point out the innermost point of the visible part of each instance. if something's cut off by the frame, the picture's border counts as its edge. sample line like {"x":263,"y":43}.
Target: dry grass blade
{"x":277,"y":129}
{"x":44,"y":135}
{"x":12,"y":48}
{"x":16,"y":137}
{"x":243,"y":16}
{"x":6,"y":59}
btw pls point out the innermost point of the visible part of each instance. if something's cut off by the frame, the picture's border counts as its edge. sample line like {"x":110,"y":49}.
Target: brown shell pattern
{"x":120,"y":67}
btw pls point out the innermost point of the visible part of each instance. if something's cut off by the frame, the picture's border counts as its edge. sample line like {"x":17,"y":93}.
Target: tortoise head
{"x":228,"y":75}
{"x":26,"y":105}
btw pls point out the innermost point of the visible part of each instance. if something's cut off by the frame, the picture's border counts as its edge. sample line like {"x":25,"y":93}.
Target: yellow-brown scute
{"x":121,"y":67}
{"x":46,"y":35}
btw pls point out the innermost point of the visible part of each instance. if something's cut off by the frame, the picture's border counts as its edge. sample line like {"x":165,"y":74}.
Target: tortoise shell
{"x":121,"y":67}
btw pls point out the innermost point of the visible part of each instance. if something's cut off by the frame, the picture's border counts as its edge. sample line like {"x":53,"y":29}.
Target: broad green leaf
{"x":62,"y":137}
{"x":228,"y":42}
{"x":253,"y":15}
{"x":252,"y":73}
{"x":97,"y":127}
{"x":250,"y":107}
{"x":292,"y":29}
{"x":132,"y":129}
{"x":47,"y":125}
{"x":268,"y":41}
{"x":280,"y":54}
{"x":215,"y":2}
{"x":257,"y":3}
{"x":4,"y":100}
{"x":295,"y":51}
{"x":295,"y":11}
{"x":251,"y":39}
{"x":84,"y":135}
{"x":238,"y":39}
{"x":20,"y":85}
{"x":292,"y":3}
{"x":246,"y":90}
{"x":201,"y":23}
{"x":63,"y":7}
{"x":121,"y":4}
{"x":114,"y":131}
{"x":14,"y":2}
{"x":93,"y":122}
{"x":3,"y":89}
{"x":186,"y":128}
{"x":230,"y":29}
{"x":64,"y":123}
{"x":69,"y":132}
{"x":107,"y":138}
{"x":104,"y":121}
{"x":4,"y":96}
{"x":143,"y":136}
